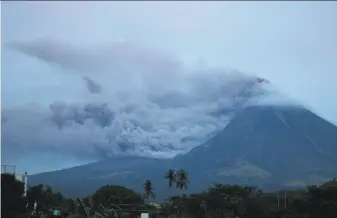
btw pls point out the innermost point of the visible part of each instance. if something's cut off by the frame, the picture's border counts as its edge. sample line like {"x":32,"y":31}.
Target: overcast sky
{"x":74,"y":54}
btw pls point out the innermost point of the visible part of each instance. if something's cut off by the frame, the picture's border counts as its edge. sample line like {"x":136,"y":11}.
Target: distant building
{"x":144,"y":215}
{"x":10,"y":169}
{"x":19,"y":177}
{"x":157,"y":206}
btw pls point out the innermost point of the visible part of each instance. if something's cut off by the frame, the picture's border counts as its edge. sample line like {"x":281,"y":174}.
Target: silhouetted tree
{"x":12,"y":200}
{"x":148,"y":190}
{"x":322,"y":200}
{"x":170,"y":176}
{"x":182,"y":179}
{"x":109,"y":195}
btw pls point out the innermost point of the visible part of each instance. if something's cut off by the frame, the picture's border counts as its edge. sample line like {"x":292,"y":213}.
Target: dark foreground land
{"x":219,"y":201}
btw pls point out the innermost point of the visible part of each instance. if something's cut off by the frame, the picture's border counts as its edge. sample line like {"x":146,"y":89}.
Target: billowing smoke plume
{"x":151,"y":104}
{"x":66,"y":115}
{"x":93,"y":87}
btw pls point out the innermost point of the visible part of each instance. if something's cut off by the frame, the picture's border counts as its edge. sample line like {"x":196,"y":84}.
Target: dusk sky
{"x":154,"y":70}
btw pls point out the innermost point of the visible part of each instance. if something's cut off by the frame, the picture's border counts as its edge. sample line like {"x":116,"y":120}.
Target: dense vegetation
{"x":220,"y":200}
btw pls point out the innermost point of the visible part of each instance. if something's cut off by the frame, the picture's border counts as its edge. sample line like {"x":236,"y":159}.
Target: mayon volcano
{"x":265,"y":144}
{"x":138,"y":111}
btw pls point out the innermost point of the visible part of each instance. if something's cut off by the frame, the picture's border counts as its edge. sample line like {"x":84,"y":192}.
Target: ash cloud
{"x":92,"y":87}
{"x":59,"y":53}
{"x":65,"y":115}
{"x":121,"y":59}
{"x":152,"y":105}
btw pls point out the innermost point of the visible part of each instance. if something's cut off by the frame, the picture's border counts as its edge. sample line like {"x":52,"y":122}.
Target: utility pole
{"x":278,"y":201}
{"x":8,"y":165}
{"x":26,"y":185}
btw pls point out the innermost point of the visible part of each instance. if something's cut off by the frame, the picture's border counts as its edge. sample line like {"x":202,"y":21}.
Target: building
{"x":10,"y":169}
{"x":19,"y":177}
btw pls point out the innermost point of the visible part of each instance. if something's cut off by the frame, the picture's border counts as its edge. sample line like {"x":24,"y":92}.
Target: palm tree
{"x":182,"y":179}
{"x":48,"y":196}
{"x":148,"y":190}
{"x":170,"y":176}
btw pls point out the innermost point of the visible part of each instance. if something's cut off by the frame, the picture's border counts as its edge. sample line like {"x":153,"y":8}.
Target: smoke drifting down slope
{"x":151,"y":105}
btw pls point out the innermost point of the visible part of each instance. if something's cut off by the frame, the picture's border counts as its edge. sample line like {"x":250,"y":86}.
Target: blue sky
{"x":292,"y":44}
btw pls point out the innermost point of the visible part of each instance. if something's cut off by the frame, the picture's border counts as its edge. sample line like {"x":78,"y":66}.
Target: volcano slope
{"x":270,"y":146}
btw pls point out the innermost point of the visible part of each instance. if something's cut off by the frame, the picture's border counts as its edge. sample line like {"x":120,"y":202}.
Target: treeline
{"x":249,"y":202}
{"x":218,"y":201}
